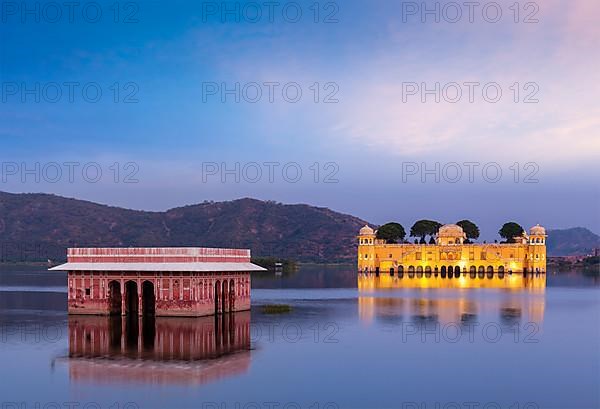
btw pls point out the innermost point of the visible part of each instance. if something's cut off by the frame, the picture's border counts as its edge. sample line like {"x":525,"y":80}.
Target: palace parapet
{"x":450,"y":255}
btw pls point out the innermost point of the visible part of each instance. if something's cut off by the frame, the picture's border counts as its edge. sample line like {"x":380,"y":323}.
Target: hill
{"x":40,"y":226}
{"x":573,"y":241}
{"x":37,"y":227}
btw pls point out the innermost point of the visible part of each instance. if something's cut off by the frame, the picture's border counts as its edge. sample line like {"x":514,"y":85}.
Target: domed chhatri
{"x":366,"y":230}
{"x":450,"y":234}
{"x":537,"y":230}
{"x":451,"y":255}
{"x":451,"y":230}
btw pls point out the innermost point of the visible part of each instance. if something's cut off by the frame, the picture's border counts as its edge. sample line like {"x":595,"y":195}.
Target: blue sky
{"x":366,"y":57}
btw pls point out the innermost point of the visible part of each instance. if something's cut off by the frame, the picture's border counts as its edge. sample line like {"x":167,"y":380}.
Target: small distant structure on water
{"x":278,"y":268}
{"x":161,"y":281}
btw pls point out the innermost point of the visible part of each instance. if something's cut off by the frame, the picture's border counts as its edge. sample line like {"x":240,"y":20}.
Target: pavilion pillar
{"x":139,"y":292}
{"x":123,"y":295}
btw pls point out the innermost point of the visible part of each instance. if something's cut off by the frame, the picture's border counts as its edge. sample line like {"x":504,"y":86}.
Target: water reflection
{"x":465,"y":280}
{"x":158,"y":350}
{"x":524,"y":302}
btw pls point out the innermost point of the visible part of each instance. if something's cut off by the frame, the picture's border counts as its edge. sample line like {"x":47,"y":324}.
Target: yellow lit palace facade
{"x":450,"y":255}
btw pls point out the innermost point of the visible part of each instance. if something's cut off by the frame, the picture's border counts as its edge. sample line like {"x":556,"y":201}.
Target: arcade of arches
{"x":175,"y":294}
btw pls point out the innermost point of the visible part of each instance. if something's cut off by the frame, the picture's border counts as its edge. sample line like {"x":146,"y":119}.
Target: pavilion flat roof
{"x":178,"y":266}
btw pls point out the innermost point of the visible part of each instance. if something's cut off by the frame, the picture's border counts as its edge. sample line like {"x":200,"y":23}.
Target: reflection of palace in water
{"x":531,"y":281}
{"x":522,"y":301}
{"x":158,"y":350}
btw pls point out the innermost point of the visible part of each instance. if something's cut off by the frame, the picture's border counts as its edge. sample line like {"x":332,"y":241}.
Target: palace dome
{"x":366,"y":230}
{"x":537,"y":230}
{"x":451,"y":230}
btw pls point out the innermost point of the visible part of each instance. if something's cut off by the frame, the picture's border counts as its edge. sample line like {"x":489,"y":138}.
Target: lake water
{"x":368,"y":342}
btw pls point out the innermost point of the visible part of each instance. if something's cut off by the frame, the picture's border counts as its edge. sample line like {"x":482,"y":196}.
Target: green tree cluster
{"x":394,"y":232}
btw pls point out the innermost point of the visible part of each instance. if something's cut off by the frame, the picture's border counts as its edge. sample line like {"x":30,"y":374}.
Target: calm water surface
{"x":411,"y":342}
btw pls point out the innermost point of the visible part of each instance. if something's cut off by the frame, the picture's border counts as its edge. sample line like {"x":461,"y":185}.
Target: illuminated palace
{"x":450,"y":255}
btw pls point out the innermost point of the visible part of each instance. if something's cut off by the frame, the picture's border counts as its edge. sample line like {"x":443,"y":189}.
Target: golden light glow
{"x":526,"y":255}
{"x":515,"y":281}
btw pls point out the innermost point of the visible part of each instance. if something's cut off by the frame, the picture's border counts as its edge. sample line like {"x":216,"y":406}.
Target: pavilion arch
{"x":231,"y":295}
{"x":131,"y":298}
{"x":148,"y":298}
{"x":224,"y":296}
{"x":217,"y":297}
{"x":427,"y":271}
{"x":176,"y":290}
{"x":411,"y":269}
{"x":501,"y":269}
{"x":443,"y":272}
{"x":114,"y":297}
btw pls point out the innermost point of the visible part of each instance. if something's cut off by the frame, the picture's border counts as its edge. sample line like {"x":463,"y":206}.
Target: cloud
{"x":554,"y":61}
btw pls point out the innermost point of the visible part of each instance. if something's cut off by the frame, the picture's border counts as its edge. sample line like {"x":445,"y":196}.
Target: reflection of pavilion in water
{"x":158,"y":350}
{"x":523,"y":301}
